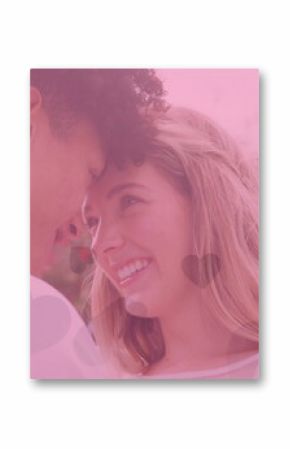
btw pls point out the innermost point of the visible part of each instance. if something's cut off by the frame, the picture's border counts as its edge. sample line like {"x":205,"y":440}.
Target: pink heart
{"x":201,"y":270}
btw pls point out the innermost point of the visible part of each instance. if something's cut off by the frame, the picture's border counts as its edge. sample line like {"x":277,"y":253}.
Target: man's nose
{"x":106,"y":240}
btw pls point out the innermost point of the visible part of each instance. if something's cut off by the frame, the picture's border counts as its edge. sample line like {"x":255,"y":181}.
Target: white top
{"x":61,"y":346}
{"x":246,"y":368}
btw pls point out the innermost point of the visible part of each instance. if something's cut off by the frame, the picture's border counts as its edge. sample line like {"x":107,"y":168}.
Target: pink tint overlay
{"x":62,"y":345}
{"x":229,"y":96}
{"x":66,"y":350}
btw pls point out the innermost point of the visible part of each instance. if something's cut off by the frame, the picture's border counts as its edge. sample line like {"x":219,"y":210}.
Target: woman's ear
{"x":35,"y":106}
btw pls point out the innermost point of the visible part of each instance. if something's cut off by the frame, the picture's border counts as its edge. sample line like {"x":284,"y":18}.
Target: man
{"x":79,"y":119}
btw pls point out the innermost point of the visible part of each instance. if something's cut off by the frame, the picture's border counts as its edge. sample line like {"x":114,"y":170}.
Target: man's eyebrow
{"x":117,"y":189}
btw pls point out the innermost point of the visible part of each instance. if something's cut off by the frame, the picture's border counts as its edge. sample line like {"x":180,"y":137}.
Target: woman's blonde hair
{"x":204,"y":163}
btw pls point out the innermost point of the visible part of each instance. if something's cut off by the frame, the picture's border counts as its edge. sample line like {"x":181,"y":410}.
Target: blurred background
{"x":228,"y":96}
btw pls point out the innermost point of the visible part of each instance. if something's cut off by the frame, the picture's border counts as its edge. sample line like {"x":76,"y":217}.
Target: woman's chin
{"x":136,"y":307}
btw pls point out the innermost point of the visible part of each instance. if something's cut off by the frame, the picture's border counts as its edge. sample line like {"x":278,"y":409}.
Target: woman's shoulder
{"x":241,"y":366}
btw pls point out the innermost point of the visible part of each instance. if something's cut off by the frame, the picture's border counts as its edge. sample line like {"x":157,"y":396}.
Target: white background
{"x":145,"y":415}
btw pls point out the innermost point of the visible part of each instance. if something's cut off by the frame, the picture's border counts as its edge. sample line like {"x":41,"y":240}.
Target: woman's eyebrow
{"x":117,"y":189}
{"x":86,"y":208}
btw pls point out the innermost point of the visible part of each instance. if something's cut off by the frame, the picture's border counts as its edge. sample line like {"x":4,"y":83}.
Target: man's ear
{"x":35,"y":106}
{"x":35,"y":100}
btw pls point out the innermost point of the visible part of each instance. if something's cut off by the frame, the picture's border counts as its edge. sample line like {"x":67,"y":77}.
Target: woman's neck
{"x":195,"y":340}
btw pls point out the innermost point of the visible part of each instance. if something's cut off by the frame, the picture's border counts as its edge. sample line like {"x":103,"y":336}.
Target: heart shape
{"x":202,"y":270}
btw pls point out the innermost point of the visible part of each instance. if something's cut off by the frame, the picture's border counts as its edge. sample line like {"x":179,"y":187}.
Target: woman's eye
{"x":128,"y":200}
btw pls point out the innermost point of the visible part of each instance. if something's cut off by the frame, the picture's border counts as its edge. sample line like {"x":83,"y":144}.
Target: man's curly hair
{"x":114,"y":101}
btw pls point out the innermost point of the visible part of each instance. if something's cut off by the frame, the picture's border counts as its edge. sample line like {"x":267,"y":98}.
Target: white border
{"x":157,"y":414}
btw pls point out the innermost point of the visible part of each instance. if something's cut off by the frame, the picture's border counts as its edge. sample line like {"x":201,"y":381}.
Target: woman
{"x":175,"y":239}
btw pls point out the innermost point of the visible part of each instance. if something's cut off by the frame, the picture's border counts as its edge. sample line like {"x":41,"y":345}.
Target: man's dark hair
{"x":115,"y":101}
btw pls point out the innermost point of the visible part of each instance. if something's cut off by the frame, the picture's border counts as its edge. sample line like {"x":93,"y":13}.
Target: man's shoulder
{"x":60,"y":343}
{"x":39,"y":288}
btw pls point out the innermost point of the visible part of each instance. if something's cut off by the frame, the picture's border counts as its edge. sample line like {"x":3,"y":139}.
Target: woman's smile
{"x":132,"y":270}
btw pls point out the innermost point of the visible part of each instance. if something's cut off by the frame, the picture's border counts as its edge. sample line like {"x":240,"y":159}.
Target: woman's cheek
{"x":148,"y":230}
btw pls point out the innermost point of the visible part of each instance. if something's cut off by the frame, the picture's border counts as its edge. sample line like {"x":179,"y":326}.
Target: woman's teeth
{"x":128,"y":270}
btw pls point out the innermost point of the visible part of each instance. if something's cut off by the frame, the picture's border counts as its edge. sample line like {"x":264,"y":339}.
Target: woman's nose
{"x":106,"y":240}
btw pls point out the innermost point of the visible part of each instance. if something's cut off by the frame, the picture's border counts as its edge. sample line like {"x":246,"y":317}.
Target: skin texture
{"x":60,"y":175}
